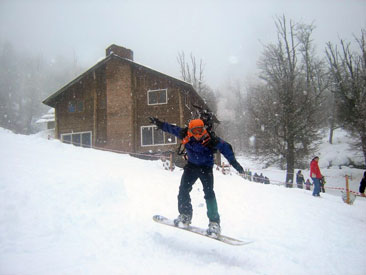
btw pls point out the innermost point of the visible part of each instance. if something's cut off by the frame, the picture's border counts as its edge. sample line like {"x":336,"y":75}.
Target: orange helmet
{"x":196,"y":129}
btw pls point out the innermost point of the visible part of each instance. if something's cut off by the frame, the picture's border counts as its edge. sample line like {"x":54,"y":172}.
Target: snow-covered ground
{"x":71,"y":210}
{"x":334,"y":160}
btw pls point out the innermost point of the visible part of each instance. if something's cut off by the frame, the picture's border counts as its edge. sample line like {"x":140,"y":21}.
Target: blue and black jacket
{"x":201,"y":155}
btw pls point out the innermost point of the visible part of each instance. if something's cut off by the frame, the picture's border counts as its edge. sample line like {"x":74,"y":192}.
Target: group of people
{"x":319,"y":181}
{"x":260,"y":178}
{"x":300,"y":182}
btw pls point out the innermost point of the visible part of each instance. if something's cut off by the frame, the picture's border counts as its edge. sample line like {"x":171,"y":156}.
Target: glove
{"x":157,"y":122}
{"x":237,"y":166}
{"x":183,"y":133}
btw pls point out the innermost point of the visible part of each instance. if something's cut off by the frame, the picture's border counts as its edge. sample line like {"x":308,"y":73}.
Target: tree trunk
{"x":331,"y":130}
{"x":363,"y":144}
{"x":332,"y":119}
{"x":290,"y":159}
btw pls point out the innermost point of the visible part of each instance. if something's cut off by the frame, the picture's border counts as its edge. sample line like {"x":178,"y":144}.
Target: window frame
{"x":75,"y":106}
{"x":65,"y":135}
{"x":158,"y":103}
{"x":165,"y":137}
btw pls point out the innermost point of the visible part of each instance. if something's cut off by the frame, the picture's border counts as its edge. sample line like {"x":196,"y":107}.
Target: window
{"x":158,"y":136}
{"x":150,"y":135}
{"x":86,"y":139}
{"x":66,"y":138}
{"x":155,"y":97}
{"x":83,"y":139}
{"x":79,"y":106}
{"x":76,"y":138}
{"x":71,"y":108}
{"x":147,"y":136}
{"x":75,"y":106}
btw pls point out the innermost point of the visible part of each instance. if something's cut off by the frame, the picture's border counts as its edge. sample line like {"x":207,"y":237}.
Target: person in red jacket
{"x":315,"y":175}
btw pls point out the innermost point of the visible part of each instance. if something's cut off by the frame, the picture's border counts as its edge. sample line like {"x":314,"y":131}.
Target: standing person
{"x":249,"y":175}
{"x":300,"y":179}
{"x":363,"y":185}
{"x":307,"y":184}
{"x":200,"y":146}
{"x":315,"y":175}
{"x":322,"y":184}
{"x":256,"y":177}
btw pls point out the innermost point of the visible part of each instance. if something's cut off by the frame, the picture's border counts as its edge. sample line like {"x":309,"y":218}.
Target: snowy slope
{"x":334,"y":161}
{"x":70,"y":210}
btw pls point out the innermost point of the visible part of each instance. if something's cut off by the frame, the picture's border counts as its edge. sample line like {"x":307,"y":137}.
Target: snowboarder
{"x":315,"y":175}
{"x":200,"y":145}
{"x":363,"y":185}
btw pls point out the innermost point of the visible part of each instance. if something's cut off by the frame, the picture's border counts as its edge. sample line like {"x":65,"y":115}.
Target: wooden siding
{"x":100,"y":107}
{"x":119,"y":106}
{"x":76,"y":121}
{"x":172,"y":111}
{"x":91,"y":90}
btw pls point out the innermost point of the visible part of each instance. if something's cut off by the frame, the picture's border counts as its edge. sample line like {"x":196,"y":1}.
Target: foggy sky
{"x":228,"y":35}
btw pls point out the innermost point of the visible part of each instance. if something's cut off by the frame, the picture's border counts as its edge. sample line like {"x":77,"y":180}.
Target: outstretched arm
{"x":166,"y":127}
{"x":227,"y":150}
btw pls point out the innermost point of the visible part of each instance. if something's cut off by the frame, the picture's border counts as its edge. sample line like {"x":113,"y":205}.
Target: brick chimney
{"x":120,"y":51}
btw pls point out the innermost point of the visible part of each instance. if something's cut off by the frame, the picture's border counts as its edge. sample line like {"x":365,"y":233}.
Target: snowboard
{"x":200,"y":231}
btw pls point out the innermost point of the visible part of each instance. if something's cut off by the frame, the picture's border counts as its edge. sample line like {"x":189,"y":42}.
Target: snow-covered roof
{"x":49,"y":117}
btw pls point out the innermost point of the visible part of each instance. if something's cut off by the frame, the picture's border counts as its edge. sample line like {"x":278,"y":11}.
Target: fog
{"x":227,"y":35}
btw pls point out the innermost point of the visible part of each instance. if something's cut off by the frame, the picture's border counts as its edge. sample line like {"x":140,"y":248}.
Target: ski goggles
{"x":197,"y":130}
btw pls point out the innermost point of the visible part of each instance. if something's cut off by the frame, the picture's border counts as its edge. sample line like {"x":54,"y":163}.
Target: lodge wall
{"x":119,"y":106}
{"x":100,"y":107}
{"x":81,"y":119}
{"x":91,"y":93}
{"x":171,"y":112}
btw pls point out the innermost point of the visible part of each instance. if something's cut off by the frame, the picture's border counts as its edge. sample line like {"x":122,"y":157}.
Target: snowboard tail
{"x":200,"y":231}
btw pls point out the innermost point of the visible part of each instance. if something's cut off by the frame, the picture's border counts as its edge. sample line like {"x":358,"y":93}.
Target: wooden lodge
{"x":108,"y":106}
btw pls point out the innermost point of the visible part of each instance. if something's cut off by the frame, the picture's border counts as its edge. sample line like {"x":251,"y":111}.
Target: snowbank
{"x":71,"y":210}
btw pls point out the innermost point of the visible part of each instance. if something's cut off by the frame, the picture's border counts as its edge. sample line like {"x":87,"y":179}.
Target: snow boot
{"x":183,"y":220}
{"x":214,"y":228}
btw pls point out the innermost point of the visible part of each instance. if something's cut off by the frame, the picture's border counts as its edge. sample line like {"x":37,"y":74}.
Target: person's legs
{"x":316,"y":191}
{"x":206,"y":177}
{"x":189,"y":177}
